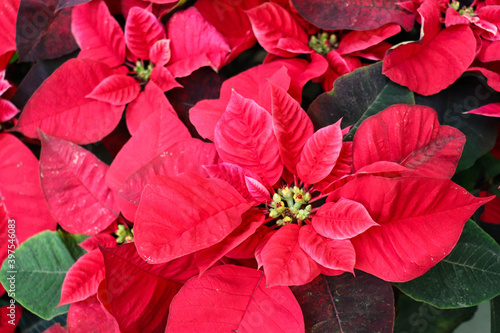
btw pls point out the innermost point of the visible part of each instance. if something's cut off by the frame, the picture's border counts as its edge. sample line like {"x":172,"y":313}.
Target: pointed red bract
{"x":151,"y":100}
{"x":188,"y":213}
{"x":195,"y":43}
{"x":98,"y":34}
{"x":412,"y":136}
{"x":361,"y":40}
{"x":8,"y":12}
{"x":320,"y":153}
{"x":116,"y":89}
{"x":157,"y":132}
{"x":284,"y":261}
{"x":342,"y":219}
{"x":83,"y":278}
{"x":20,"y":189}
{"x":160,"y":52}
{"x":244,"y":136}
{"x":188,"y":155}
{"x":7,"y":110}
{"x":258,"y":191}
{"x":329,"y":253}
{"x":233,"y":298}
{"x":291,"y":125}
{"x":420,"y":222}
{"x":93,"y":242}
{"x":142,"y":31}
{"x":234,"y":175}
{"x":60,"y":103}
{"x":251,"y":220}
{"x":139,"y":295}
{"x":437,"y":60}
{"x":277,"y":31}
{"x":162,"y":77}
{"x":490,"y":110}
{"x":74,"y":186}
{"x":90,"y":313}
{"x":230,"y":19}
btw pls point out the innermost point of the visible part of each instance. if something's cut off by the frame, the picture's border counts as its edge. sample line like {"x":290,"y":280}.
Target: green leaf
{"x":495,"y":315}
{"x":346,"y":303}
{"x":468,"y":276}
{"x":356,"y":96}
{"x":467,"y":93}
{"x":41,"y":263}
{"x":416,"y":317}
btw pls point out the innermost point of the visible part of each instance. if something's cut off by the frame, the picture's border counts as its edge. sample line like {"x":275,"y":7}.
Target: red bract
{"x":90,"y":313}
{"x":437,"y":60}
{"x":21,"y":190}
{"x":237,"y":300}
{"x":73,"y":182}
{"x":422,"y":144}
{"x":137,"y":294}
{"x":60,"y":103}
{"x":420,"y":221}
{"x":195,"y":43}
{"x":180,"y":229}
{"x":98,"y":34}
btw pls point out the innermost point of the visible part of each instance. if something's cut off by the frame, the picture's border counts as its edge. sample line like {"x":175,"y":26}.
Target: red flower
{"x":277,"y":171}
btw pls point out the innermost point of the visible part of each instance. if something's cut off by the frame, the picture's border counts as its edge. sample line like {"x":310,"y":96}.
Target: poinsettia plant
{"x":248,"y":166}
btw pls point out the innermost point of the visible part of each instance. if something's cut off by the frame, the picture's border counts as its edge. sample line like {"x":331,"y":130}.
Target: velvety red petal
{"x":251,"y":220}
{"x":205,"y":212}
{"x":410,"y":135}
{"x":229,"y":18}
{"x":429,"y":66}
{"x":98,"y":34}
{"x":234,"y":175}
{"x":195,"y":43}
{"x":271,"y":24}
{"x":244,"y":136}
{"x":162,"y":77}
{"x":320,"y":154}
{"x":233,"y":298}
{"x":142,"y":31}
{"x":88,"y":314}
{"x":139,"y":295}
{"x":60,"y":103}
{"x":21,"y":190}
{"x":8,"y":13}
{"x":188,"y":155}
{"x":284,"y":261}
{"x":7,"y":110}
{"x":74,"y":186}
{"x":160,"y":52}
{"x":83,"y":278}
{"x":420,"y":222}
{"x":116,"y":89}
{"x":343,"y":219}
{"x":291,"y":125}
{"x":156,"y":133}
{"x":361,"y":40}
{"x":332,"y":254}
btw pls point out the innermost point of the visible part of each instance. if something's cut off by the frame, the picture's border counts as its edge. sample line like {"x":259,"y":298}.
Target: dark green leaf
{"x":41,"y":263}
{"x":346,"y":304}
{"x":356,"y":96}
{"x":468,"y":276}
{"x":467,"y":93}
{"x":495,"y":315}
{"x":417,"y":317}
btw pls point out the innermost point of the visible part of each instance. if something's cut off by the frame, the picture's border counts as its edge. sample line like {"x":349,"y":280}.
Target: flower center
{"x":124,"y":234}
{"x":143,"y":72}
{"x":289,"y":205}
{"x":464,"y":10}
{"x":323,"y":42}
